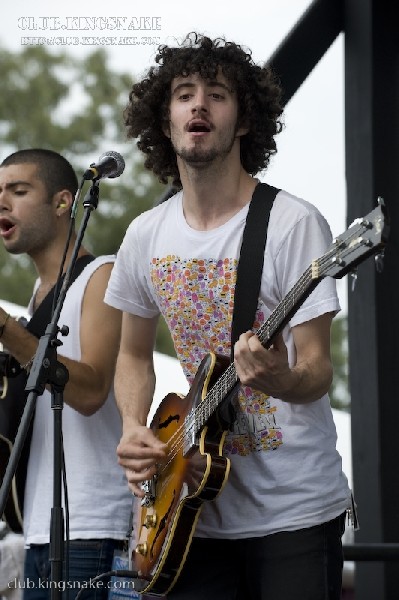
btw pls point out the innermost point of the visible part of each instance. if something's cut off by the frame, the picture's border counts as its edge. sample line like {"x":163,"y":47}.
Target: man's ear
{"x":242,"y":127}
{"x":63,"y":202}
{"x":166,"y":122}
{"x":166,"y":129}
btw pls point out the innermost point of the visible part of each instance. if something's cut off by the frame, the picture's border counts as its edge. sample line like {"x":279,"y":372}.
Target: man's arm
{"x":268,"y":370}
{"x":139,"y":450}
{"x":91,"y":377}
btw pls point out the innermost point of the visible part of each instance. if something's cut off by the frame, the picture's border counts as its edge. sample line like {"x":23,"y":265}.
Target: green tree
{"x":75,"y":107}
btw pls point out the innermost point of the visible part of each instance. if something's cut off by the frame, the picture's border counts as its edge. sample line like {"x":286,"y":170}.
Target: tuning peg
{"x":379,"y":261}
{"x":354,"y":279}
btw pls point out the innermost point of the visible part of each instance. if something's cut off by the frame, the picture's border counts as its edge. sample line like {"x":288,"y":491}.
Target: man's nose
{"x":4,"y":202}
{"x":201,"y":102}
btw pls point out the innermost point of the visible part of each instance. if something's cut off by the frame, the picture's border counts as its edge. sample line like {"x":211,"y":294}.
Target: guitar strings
{"x":202,"y":412}
{"x":226,"y":382}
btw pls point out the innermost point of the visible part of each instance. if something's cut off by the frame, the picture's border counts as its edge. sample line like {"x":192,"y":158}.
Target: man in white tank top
{"x":37,"y":189}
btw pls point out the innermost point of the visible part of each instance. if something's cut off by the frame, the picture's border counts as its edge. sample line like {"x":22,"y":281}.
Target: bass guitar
{"x":194,"y":427}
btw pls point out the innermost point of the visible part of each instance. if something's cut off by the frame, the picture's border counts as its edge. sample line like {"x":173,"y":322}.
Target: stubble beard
{"x":26,"y":245}
{"x":33,"y":237}
{"x":198,"y":156}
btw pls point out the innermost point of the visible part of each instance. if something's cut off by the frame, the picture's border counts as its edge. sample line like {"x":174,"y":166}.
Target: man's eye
{"x":20,"y":192}
{"x":184,"y":96}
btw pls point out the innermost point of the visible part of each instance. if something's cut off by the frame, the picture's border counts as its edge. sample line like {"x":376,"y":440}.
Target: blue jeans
{"x":295,"y":565}
{"x":87,"y":559}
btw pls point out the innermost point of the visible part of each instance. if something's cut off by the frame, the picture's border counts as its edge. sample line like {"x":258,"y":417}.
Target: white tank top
{"x":99,"y":499}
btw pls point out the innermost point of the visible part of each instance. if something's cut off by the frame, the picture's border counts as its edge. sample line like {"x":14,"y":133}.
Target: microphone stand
{"x":46,"y":369}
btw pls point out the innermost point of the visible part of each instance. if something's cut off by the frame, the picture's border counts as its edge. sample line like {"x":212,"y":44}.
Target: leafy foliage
{"x":73,"y":107}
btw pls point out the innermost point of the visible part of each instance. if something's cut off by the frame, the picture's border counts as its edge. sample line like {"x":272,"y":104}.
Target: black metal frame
{"x":371,"y":75}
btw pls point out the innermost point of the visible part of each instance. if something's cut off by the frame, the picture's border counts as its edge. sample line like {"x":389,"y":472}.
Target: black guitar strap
{"x":250,"y":264}
{"x":12,"y":405}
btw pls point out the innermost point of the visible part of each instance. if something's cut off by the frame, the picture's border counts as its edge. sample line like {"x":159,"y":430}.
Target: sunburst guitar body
{"x":194,"y":471}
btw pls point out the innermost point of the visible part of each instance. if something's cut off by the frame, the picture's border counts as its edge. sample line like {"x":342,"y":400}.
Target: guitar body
{"x":194,"y":472}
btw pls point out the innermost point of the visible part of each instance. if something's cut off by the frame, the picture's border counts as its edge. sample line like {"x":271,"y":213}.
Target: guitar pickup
{"x":148,"y":487}
{"x":190,"y":434}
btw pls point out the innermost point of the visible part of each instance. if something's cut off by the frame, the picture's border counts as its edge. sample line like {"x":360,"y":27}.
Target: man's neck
{"x":48,"y":261}
{"x":48,"y":266}
{"x":209,"y":201}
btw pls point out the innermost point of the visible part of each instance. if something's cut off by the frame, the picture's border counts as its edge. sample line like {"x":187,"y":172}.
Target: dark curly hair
{"x":258,"y":94}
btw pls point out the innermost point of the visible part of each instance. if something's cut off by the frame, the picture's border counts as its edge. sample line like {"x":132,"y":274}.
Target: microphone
{"x":110,"y":164}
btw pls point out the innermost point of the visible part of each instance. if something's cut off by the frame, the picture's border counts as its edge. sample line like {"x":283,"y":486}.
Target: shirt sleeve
{"x":129,"y":288}
{"x":308,"y":239}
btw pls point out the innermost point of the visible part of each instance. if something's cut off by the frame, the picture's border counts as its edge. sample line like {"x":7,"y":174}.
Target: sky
{"x":310,"y":158}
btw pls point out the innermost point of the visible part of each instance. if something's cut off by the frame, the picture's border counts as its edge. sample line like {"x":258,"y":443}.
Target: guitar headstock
{"x":366,"y":236}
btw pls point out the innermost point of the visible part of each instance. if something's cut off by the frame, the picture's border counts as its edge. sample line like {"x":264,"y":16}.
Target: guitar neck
{"x":289,"y":305}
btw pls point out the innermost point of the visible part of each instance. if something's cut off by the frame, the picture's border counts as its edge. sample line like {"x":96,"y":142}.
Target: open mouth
{"x":6,"y":226}
{"x":199,"y":126}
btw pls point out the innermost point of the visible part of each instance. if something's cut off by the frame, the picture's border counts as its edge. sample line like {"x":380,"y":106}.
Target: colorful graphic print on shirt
{"x":196,"y":298}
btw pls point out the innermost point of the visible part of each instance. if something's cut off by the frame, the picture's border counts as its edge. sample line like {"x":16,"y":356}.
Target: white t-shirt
{"x":99,"y":499}
{"x":285,"y":471}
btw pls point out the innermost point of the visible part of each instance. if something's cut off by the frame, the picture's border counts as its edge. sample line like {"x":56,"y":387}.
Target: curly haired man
{"x":205,"y":117}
